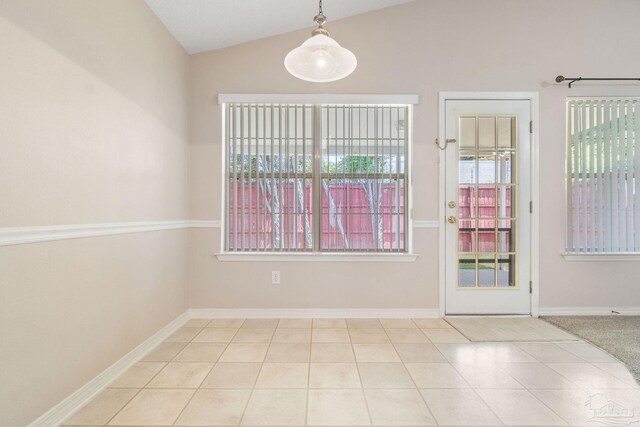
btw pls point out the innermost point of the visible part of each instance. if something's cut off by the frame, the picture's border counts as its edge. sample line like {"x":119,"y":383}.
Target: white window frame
{"x":407,"y":256}
{"x":586,"y":256}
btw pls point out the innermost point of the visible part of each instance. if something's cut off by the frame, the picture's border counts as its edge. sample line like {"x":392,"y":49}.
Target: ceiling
{"x":201,"y":25}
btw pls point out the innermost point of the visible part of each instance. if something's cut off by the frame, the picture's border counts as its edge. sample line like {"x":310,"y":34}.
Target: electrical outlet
{"x":275,"y":277}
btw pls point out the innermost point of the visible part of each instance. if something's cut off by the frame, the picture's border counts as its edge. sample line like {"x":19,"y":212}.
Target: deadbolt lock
{"x":451,"y":204}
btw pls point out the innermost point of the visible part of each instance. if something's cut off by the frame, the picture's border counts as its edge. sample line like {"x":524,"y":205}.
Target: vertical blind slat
{"x":608,"y":179}
{"x":615,"y":185}
{"x":570,"y":177}
{"x":592,"y":176}
{"x":599,"y":141}
{"x":635,"y":172}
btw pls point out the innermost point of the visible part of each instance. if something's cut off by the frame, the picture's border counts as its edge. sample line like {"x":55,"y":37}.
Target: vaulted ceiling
{"x":201,"y":25}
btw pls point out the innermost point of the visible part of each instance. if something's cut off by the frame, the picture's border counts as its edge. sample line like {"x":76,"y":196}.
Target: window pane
{"x":363,"y":178}
{"x":270,"y":167}
{"x":603,"y":164}
{"x":360,"y":190}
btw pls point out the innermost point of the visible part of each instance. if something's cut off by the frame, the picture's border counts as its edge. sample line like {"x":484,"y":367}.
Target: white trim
{"x":409,"y":182}
{"x":492,"y":96}
{"x":485,"y":316}
{"x":535,"y":186}
{"x":620,"y":256}
{"x":314,"y":257}
{"x":307,"y":313}
{"x":205,"y":223}
{"x":589,"y":311}
{"x":426,"y":224}
{"x":442,"y":211}
{"x":321,"y":98}
{"x":535,"y":199}
{"x":224,"y":179}
{"x":72,"y":403}
{"x":22,"y":235}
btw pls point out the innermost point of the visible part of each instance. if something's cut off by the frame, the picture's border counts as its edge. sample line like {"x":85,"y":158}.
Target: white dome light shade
{"x":320,"y":59}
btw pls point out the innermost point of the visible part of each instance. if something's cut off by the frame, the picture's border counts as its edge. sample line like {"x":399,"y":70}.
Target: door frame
{"x":532,"y":97}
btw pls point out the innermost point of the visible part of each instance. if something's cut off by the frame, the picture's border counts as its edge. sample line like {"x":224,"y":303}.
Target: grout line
{"x":364,"y":396}
{"x":205,"y":377}
{"x":144,"y":387}
{"x":409,"y":373}
{"x":361,"y":388}
{"x":548,"y":407}
{"x":306,"y":404}
{"x":244,"y":411}
{"x":197,"y":388}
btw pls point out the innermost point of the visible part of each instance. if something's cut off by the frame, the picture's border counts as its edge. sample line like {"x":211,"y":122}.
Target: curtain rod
{"x":560,"y":79}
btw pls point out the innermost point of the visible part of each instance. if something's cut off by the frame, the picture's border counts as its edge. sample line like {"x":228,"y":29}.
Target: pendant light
{"x":320,"y":58}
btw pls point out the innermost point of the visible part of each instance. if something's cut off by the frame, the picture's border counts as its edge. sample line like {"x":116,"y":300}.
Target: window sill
{"x":618,"y":256}
{"x":314,"y":257}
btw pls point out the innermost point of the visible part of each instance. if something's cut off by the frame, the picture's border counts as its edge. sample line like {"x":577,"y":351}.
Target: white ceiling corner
{"x":202,"y":25}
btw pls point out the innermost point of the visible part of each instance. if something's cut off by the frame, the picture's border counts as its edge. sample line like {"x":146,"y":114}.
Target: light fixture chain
{"x":320,"y":7}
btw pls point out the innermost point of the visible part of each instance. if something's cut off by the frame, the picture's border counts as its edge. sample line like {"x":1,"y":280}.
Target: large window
{"x":603,"y":163}
{"x":316,"y":178}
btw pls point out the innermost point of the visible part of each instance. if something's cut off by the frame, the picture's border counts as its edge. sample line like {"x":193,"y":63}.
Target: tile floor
{"x":354,"y":372}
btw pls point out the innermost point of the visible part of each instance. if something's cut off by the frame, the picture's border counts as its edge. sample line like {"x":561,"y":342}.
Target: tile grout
{"x":350,"y":330}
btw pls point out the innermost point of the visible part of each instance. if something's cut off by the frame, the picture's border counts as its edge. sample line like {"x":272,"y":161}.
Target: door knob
{"x":451,"y":220}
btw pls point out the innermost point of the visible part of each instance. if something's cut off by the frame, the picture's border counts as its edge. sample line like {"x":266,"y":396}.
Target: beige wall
{"x":423,"y":47}
{"x":93,"y":129}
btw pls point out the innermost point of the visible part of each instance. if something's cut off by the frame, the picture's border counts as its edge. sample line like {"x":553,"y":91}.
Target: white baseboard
{"x":589,"y":311}
{"x":63,"y":410}
{"x":288,"y":313}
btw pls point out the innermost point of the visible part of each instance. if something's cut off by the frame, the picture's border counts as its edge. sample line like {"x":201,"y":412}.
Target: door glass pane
{"x":487,"y":270}
{"x":506,"y":236}
{"x":504,"y":167}
{"x":467,"y":168}
{"x":487,"y":132}
{"x":506,"y":276}
{"x":486,"y":236}
{"x":487,"y":168}
{"x":486,"y":201}
{"x":467,"y":270}
{"x":504,"y":201}
{"x":468,"y":132}
{"x":506,"y":132}
{"x":466,"y":201}
{"x":467,"y":236}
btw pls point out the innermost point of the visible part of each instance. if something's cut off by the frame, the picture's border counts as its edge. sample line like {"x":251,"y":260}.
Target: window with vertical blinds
{"x":603,"y":162}
{"x":316,"y":178}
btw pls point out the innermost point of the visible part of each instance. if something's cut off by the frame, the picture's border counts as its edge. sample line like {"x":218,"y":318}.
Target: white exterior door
{"x":487,"y":213}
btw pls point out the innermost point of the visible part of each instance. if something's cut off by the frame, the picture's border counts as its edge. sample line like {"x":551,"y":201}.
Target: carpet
{"x":617,"y":335}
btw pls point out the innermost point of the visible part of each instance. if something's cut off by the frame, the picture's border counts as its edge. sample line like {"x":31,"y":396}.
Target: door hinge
{"x":530,"y":286}
{"x":530,"y":207}
{"x":531,"y":126}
